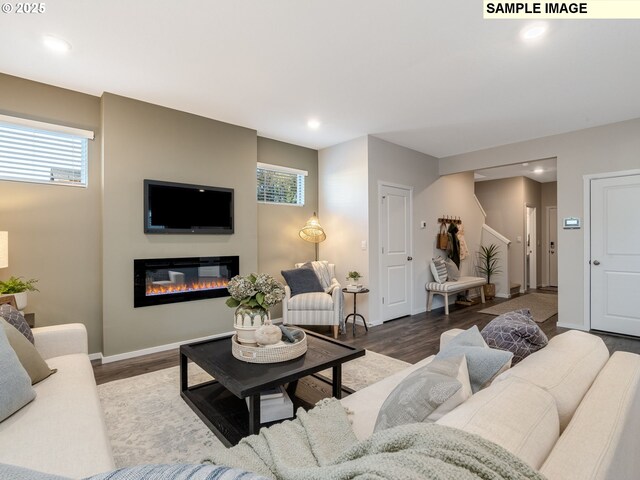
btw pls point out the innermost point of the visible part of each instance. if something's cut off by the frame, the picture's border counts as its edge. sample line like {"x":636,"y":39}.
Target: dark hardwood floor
{"x":409,"y":338}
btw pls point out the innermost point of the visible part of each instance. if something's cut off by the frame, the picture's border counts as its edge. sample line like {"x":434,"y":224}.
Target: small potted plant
{"x":352,"y":278}
{"x":489,"y":265}
{"x":18,"y":288}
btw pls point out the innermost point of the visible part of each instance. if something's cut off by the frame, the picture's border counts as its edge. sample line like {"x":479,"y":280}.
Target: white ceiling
{"x":433,"y":76}
{"x":548,"y":171}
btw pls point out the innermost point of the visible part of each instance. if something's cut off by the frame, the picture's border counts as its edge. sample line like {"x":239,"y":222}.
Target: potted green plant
{"x":18,"y":287}
{"x":353,"y":277}
{"x":489,"y":265}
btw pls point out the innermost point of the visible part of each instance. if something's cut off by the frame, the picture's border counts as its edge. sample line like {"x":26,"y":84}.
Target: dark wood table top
{"x":244,"y":379}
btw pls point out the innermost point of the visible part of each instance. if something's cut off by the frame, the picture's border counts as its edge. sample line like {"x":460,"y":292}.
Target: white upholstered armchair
{"x":316,"y":308}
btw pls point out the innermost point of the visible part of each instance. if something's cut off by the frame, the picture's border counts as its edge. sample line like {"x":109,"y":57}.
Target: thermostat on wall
{"x":571,"y":223}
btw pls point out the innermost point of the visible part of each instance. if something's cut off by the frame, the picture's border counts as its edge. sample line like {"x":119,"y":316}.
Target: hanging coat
{"x":464,"y":251}
{"x":454,"y":245}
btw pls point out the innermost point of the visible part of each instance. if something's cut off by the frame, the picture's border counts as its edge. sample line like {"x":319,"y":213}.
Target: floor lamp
{"x":313,"y":232}
{"x":4,"y":249}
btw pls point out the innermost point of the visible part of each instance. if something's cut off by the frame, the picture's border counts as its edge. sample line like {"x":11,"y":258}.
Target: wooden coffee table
{"x":220,"y":403}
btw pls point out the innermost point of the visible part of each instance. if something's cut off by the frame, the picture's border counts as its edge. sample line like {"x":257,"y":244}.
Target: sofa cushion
{"x":66,"y":412}
{"x":311,"y":301}
{"x":15,"y":384}
{"x":601,"y":441}
{"x":14,"y":317}
{"x":515,"y":332}
{"x":565,"y":368}
{"x":302,"y":280}
{"x":426,"y":394}
{"x":29,"y":357}
{"x":483,"y":363}
{"x":438,"y":269}
{"x":11,"y":472}
{"x":365,"y":404}
{"x":515,"y":414}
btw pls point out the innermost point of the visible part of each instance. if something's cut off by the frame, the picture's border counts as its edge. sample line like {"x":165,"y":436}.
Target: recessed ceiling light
{"x":525,"y":164}
{"x":538,"y":170}
{"x":533,"y":32}
{"x":56,"y":44}
{"x":313,"y":124}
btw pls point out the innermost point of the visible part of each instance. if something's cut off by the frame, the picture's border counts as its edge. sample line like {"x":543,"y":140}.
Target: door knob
{"x":596,"y":262}
{"x":409,"y":258}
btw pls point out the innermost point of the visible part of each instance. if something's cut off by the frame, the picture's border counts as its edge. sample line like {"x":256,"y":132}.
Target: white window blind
{"x":29,"y":154}
{"x":281,"y":185}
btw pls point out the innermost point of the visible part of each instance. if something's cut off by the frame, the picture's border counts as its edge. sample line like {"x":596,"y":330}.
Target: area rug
{"x":542,"y":306}
{"x":148,"y":422}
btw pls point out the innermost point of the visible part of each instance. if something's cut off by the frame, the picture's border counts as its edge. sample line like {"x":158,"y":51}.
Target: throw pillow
{"x":484,"y":363}
{"x":178,"y":472}
{"x":439,"y":269}
{"x":15,"y":318}
{"x":302,"y":280}
{"x":453,"y":272}
{"x":29,"y":357}
{"x":15,"y":385}
{"x":515,"y":332}
{"x":426,"y":394}
{"x":13,"y":472}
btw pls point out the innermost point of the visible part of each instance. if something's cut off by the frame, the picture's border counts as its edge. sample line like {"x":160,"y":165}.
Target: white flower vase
{"x":247,"y":321}
{"x":20,"y":298}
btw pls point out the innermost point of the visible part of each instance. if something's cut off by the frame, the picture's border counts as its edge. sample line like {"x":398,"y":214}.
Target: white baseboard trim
{"x":159,"y":348}
{"x":95,"y":356}
{"x":503,"y":295}
{"x":573,"y":326}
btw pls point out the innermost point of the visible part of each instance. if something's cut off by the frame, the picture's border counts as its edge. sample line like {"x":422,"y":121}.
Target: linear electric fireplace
{"x":158,"y":281}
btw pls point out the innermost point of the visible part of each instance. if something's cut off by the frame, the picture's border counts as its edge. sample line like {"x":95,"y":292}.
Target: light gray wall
{"x":503,"y":201}
{"x":55,"y":231}
{"x":532,"y":198}
{"x":279,"y":245}
{"x":141,"y":141}
{"x":607,"y":148}
{"x":343,"y":210}
{"x":548,"y":198}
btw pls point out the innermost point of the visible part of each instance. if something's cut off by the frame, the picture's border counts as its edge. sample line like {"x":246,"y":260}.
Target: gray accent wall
{"x":279,"y":245}
{"x":55,"y":230}
{"x":141,"y":141}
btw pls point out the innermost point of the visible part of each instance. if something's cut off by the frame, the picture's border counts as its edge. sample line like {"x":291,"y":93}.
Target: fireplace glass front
{"x":159,"y":281}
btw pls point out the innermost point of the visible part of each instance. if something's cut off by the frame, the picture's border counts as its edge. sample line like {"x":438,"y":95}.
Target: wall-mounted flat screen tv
{"x":182,"y":208}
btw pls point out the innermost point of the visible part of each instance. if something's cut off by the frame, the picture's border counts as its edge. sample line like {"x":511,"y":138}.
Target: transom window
{"x":280,"y":185}
{"x":39,"y":152}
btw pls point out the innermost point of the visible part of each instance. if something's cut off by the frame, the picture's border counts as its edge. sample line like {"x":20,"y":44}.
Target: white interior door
{"x":552,"y":247}
{"x":615,"y":254}
{"x":395,"y":251}
{"x":531,"y":241}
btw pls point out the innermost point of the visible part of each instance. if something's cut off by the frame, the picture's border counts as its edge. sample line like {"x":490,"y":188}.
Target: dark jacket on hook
{"x":454,"y":245}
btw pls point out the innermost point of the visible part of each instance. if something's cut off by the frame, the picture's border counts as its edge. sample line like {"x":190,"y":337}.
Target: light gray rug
{"x":148,"y":422}
{"x":542,"y":306}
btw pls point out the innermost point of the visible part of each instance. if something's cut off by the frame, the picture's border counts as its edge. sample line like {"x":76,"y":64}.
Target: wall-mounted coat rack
{"x":449,"y":219}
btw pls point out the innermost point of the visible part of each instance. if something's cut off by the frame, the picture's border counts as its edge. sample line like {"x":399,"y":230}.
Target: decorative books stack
{"x":275,"y":405}
{"x":355,"y":288}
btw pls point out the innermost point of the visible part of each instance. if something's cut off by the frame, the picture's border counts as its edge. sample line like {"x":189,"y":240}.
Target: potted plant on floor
{"x":18,"y":288}
{"x":489,"y":265}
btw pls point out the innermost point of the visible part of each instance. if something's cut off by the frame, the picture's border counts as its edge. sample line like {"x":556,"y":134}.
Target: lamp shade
{"x":4,"y":249}
{"x":312,"y":231}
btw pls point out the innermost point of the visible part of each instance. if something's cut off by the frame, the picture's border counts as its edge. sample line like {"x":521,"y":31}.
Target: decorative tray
{"x":280,"y":352}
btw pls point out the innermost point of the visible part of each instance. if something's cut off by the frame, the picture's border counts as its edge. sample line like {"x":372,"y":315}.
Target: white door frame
{"x":586,"y":269}
{"x":547,"y":239}
{"x":382,"y":183}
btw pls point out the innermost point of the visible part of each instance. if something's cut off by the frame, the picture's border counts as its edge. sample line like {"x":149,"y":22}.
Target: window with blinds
{"x":280,"y":185}
{"x":36,"y":155}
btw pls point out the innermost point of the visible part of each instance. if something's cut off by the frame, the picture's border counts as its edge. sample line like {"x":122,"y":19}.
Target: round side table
{"x":355,"y":314}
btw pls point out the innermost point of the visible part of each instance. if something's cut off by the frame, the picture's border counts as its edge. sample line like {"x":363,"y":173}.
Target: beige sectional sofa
{"x":568,"y":410}
{"x":62,"y":431}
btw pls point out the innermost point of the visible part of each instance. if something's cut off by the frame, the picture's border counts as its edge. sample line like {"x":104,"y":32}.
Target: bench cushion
{"x":462,"y":284}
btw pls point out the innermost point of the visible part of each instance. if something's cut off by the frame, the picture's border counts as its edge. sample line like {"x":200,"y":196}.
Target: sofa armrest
{"x":285,"y":304}
{"x":60,"y":340}
{"x":449,"y":335}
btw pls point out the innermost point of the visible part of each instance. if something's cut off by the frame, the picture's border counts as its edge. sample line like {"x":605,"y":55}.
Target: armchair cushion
{"x":302,"y":280}
{"x":311,"y":301}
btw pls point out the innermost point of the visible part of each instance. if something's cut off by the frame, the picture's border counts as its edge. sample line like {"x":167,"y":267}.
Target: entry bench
{"x":447,"y":288}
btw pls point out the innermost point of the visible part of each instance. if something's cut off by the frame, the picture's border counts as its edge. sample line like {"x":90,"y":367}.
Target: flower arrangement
{"x":255,"y":290}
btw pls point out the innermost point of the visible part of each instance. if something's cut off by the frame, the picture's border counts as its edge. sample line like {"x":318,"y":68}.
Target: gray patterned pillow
{"x":426,"y":394}
{"x":178,"y":472}
{"x":515,"y":332}
{"x":439,"y":269}
{"x":15,"y":318}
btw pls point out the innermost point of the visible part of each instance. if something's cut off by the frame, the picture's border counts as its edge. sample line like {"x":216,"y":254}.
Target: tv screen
{"x":181,"y":208}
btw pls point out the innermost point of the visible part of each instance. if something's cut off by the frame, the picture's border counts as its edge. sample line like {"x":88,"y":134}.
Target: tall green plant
{"x":489,"y":262}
